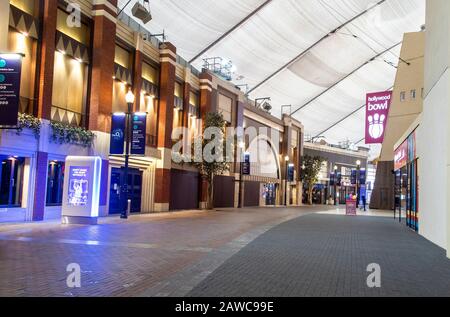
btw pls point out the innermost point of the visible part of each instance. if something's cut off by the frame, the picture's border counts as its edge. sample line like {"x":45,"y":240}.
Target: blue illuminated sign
{"x":139,"y":130}
{"x":246,"y":164}
{"x":117,"y":134}
{"x":290,"y":173}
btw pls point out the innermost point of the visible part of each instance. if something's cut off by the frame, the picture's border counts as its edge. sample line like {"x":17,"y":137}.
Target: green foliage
{"x":216,"y":167}
{"x":310,"y":172}
{"x":64,"y":133}
{"x":27,"y":121}
{"x":209,"y":168}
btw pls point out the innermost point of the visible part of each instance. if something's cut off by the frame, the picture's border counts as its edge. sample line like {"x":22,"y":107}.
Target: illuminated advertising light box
{"x":81,"y":190}
{"x":10,"y":72}
{"x":377,"y":112}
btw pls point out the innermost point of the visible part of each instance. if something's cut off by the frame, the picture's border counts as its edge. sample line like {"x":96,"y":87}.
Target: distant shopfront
{"x":406,"y":181}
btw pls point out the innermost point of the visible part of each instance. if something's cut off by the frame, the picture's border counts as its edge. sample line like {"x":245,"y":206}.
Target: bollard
{"x":128,"y":207}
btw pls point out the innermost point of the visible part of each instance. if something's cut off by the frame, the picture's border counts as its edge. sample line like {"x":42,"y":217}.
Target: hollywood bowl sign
{"x":377,"y":111}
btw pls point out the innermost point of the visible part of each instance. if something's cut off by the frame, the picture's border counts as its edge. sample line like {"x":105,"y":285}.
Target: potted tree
{"x":310,"y":173}
{"x":210,"y":155}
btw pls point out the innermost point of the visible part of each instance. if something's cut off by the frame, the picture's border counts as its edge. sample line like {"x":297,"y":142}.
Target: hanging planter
{"x":67,"y":134}
{"x":26,"y":121}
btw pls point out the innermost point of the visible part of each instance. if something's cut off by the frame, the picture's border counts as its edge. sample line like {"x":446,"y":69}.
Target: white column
{"x":433,"y":141}
{"x":4,"y":25}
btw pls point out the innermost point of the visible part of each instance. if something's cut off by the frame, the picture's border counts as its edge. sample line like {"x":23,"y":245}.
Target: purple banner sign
{"x":377,"y":111}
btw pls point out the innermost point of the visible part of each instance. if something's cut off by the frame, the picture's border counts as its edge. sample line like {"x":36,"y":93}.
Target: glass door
{"x":55,"y":183}
{"x":116,"y":204}
{"x":11,"y":171}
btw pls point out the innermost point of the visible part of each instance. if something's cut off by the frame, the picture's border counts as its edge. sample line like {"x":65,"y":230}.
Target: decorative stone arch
{"x":255,"y":150}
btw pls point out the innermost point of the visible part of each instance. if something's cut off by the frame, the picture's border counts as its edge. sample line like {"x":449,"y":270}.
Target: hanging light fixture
{"x":142,"y":11}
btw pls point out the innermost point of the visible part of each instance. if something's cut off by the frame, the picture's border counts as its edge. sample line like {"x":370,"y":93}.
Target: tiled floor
{"x":304,"y":251}
{"x":329,"y":255}
{"x":160,"y":254}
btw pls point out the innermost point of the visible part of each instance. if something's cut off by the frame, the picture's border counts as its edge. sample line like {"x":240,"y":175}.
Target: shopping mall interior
{"x":258,"y":148}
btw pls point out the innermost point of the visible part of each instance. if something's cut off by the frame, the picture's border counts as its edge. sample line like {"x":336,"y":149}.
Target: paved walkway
{"x":148,"y":255}
{"x":306,"y":251}
{"x":328,"y":255}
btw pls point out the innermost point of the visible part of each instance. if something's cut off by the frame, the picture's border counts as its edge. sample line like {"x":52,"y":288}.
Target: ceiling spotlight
{"x":142,"y":11}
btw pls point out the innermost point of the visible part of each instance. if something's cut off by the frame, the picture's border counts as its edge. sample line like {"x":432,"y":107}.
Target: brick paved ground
{"x":148,"y":255}
{"x":327,"y":255}
{"x":252,"y":252}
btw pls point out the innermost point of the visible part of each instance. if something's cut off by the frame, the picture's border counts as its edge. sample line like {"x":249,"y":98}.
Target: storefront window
{"x":149,"y":101}
{"x":120,"y":89}
{"x":55,"y":183}
{"x":149,"y":105}
{"x":11,"y":172}
{"x":225,"y":107}
{"x":150,"y":73}
{"x":122,"y":79}
{"x":69,"y":87}
{"x":80,"y":34}
{"x":406,"y":181}
{"x":193,"y":124}
{"x":178,"y":109}
{"x":28,"y":6}
{"x":122,"y":57}
{"x":70,"y":72}
{"x":19,"y":42}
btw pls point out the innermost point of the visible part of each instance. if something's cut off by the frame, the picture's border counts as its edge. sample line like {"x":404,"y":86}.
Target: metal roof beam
{"x":345,"y":118}
{"x":347,"y":76}
{"x":234,"y":28}
{"x":315,"y":44}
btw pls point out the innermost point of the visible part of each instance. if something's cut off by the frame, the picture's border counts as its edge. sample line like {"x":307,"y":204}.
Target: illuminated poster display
{"x":377,"y":111}
{"x":81,"y":194}
{"x":78,"y":186}
{"x":10,"y":72}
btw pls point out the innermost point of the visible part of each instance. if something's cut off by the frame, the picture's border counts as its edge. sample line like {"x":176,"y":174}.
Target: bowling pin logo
{"x":376,"y":125}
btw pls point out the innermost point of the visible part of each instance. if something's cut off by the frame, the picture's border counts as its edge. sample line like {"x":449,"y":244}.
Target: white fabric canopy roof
{"x":280,"y":31}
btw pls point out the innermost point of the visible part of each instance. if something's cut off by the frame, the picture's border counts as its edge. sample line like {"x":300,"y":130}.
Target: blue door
{"x":116,"y":203}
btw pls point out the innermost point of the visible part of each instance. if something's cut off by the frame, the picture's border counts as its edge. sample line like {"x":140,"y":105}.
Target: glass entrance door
{"x":11,"y":172}
{"x":271,"y":194}
{"x":55,"y":183}
{"x":134,"y":189}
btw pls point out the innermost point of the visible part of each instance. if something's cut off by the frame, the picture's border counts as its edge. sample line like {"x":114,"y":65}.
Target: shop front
{"x":270,"y":193}
{"x":406,"y":182}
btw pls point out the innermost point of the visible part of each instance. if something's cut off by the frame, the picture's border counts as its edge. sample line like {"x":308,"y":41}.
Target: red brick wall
{"x":101,"y":92}
{"x":47,"y":60}
{"x":165,"y":115}
{"x":137,"y":79}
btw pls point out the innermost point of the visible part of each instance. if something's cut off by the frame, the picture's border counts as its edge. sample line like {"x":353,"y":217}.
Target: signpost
{"x":10,"y":72}
{"x":350,"y":205}
{"x":128,"y":127}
